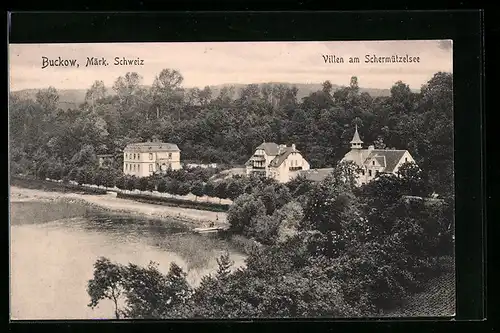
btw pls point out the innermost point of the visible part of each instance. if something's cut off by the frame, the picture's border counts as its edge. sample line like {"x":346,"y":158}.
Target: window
{"x":373,"y":162}
{"x":138,"y":156}
{"x":369,"y":173}
{"x":150,"y":156}
{"x":126,"y":166}
{"x":151,"y":167}
{"x":126,"y":155}
{"x":363,"y":172}
{"x":169,"y":155}
{"x":406,"y":159}
{"x":376,"y":173}
{"x":138,"y":167}
{"x":134,"y":156}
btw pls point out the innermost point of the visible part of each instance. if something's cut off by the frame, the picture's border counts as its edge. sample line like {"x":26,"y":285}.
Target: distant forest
{"x":225,"y":124}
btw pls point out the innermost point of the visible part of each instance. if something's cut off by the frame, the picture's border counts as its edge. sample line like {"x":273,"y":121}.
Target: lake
{"x":54,"y":246}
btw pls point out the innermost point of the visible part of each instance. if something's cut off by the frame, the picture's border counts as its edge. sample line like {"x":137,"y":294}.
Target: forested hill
{"x":72,"y":98}
{"x":225,"y":126}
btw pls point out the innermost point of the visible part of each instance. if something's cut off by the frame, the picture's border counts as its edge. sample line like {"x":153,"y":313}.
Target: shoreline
{"x":193,"y":217}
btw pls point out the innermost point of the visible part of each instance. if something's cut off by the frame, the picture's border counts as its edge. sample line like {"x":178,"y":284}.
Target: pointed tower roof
{"x":356,"y":138}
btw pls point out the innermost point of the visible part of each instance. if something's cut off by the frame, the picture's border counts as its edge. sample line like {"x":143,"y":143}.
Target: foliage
{"x":108,"y":283}
{"x":246,"y":207}
{"x":324,"y":260}
{"x":211,"y":127}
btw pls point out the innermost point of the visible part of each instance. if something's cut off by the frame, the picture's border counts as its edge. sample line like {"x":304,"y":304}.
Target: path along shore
{"x":111,"y":203}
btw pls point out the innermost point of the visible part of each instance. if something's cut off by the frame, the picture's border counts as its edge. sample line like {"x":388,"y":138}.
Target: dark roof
{"x":392,"y":157}
{"x":316,"y":175}
{"x":270,"y":148}
{"x":151,"y":146}
{"x":276,"y":162}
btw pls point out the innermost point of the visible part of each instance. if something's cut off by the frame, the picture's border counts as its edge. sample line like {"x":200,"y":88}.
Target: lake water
{"x":54,"y":246}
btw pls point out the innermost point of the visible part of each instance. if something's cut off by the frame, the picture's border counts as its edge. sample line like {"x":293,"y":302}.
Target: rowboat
{"x":207,"y":230}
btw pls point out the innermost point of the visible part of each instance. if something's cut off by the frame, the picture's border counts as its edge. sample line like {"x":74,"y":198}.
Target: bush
{"x":242,"y":211}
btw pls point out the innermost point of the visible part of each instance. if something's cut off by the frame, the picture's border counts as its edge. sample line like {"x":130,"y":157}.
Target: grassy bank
{"x":173,"y":202}
{"x":40,"y":212}
{"x":50,"y":186}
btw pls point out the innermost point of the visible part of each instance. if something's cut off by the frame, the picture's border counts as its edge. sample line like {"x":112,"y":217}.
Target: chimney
{"x":281,"y":148}
{"x":371,"y":147}
{"x":293,"y":146}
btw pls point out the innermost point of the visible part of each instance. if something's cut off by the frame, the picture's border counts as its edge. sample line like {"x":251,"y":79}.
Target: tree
{"x":235,"y":189}
{"x":172,"y":186}
{"x":197,"y":188}
{"x":290,"y":216}
{"x":48,"y":99}
{"x":224,"y":264}
{"x":184,"y":188}
{"x":412,"y":182}
{"x":244,"y":208}
{"x":327,"y":87}
{"x":220,"y":190}
{"x":142,"y":183}
{"x":162,"y":186}
{"x":107,"y":283}
{"x":130,"y":183}
{"x":209,"y":189}
{"x":96,"y":93}
{"x":85,"y":157}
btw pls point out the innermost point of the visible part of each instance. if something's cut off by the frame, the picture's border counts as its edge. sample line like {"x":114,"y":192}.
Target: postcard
{"x":231,"y":180}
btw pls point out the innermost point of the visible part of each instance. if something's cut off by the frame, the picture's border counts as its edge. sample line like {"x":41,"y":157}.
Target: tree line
{"x":84,"y":169}
{"x":226,"y":128}
{"x":334,"y":251}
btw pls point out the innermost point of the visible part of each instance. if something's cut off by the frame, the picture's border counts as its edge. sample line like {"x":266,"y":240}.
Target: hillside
{"x":72,"y":98}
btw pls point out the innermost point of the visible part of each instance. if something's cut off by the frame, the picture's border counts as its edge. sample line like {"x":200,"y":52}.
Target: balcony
{"x":258,"y":158}
{"x":297,"y":168}
{"x":258,"y":167}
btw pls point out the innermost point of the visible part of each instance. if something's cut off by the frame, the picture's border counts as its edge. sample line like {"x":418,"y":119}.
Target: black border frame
{"x":463,"y":27}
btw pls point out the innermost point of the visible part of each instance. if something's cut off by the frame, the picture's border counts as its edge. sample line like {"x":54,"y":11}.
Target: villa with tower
{"x":374,"y":162}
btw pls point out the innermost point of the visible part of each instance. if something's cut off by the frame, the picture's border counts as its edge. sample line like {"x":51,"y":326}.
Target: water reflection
{"x":51,"y":261}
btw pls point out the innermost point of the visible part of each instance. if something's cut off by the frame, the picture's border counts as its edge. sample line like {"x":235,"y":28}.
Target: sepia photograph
{"x":228,"y":180}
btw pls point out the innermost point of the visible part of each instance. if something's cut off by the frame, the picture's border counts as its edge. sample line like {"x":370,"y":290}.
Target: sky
{"x":204,"y":64}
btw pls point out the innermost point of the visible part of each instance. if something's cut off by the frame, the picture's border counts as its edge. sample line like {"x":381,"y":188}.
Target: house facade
{"x":374,"y":162}
{"x":146,"y":158}
{"x":105,"y":160}
{"x":275,"y":161}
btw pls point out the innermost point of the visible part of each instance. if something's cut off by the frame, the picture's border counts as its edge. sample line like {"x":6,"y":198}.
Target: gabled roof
{"x":270,"y":148}
{"x":276,"y":162}
{"x":379,"y":159}
{"x":392,"y":157}
{"x":143,"y":147}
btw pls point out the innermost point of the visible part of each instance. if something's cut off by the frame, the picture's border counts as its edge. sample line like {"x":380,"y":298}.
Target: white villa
{"x":375,"y":161}
{"x":276,"y":161}
{"x":144,"y":159}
